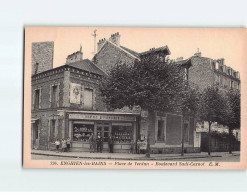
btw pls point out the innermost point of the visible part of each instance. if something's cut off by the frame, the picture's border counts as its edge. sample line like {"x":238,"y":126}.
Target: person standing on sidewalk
{"x":68,"y":144}
{"x":94,"y":144}
{"x":57,"y":143}
{"x":110,"y":143}
{"x":90,"y":139}
{"x":99,"y":142}
{"x":64,"y":145}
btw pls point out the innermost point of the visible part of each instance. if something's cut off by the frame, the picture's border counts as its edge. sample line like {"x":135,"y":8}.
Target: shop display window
{"x":82,"y":132}
{"x":122,"y":133}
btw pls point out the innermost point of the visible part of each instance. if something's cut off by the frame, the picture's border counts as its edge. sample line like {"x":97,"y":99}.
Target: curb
{"x":119,"y":158}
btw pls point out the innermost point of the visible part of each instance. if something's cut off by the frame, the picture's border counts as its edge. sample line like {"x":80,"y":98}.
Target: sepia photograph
{"x":133,"y":98}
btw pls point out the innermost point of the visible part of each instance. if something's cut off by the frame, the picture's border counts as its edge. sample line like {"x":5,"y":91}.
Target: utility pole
{"x":94,"y":35}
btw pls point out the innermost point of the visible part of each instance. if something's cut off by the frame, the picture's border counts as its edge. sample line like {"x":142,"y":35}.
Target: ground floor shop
{"x":130,"y":132}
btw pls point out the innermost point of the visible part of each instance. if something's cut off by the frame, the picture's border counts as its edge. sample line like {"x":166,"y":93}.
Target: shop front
{"x":122,"y":127}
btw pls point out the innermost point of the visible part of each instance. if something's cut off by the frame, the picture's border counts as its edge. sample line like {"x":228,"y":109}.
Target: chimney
{"x":115,"y":38}
{"x":198,"y":53}
{"x":179,"y":59}
{"x":100,"y":43}
{"x":75,"y":57}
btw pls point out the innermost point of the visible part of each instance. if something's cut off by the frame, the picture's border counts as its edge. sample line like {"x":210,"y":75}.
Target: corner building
{"x":66,"y":103}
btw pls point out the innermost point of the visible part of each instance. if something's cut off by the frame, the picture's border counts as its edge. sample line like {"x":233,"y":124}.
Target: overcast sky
{"x":213,"y":43}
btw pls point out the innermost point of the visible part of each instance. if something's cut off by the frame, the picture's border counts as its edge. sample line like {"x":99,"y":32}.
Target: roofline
{"x":118,"y":48}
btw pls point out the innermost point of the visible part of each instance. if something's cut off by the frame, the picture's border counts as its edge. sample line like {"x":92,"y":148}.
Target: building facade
{"x":66,"y":103}
{"x":163,"y":129}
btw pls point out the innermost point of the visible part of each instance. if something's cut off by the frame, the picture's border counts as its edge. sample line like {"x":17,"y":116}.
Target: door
{"x":104,"y":130}
{"x":35,"y":135}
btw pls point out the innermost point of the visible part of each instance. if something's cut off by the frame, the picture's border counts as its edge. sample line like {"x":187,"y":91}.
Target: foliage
{"x":232,"y":109}
{"x":212,"y":105}
{"x":150,"y":83}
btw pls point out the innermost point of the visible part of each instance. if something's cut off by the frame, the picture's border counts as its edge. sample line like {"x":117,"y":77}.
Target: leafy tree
{"x":151,"y":83}
{"x":232,"y":113}
{"x":212,"y":109}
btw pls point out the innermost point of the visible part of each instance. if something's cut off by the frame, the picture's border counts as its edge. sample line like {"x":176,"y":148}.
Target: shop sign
{"x":75,"y":93}
{"x":102,"y":117}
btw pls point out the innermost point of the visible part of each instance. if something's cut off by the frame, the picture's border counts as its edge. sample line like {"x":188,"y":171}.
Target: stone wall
{"x":42,"y":56}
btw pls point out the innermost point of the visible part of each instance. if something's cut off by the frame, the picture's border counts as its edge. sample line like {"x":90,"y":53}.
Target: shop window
{"x":122,"y":132}
{"x":88,"y":98}
{"x":82,"y":132}
{"x":160,"y":136}
{"x":53,"y":130}
{"x":37,"y":99}
{"x":54,"y":96}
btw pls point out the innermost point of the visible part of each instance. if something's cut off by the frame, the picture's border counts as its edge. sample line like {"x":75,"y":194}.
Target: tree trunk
{"x":209,"y":138}
{"x":148,"y":145}
{"x":182,"y":152}
{"x":230,"y":140}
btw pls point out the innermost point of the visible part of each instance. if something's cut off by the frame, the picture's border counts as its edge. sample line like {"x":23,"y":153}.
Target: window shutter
{"x":56,"y":128}
{"x":94,"y":99}
{"x":49,"y":130}
{"x":57,"y":96}
{"x":40,"y":98}
{"x":33,"y":96}
{"x":82,"y":95}
{"x":50,"y":93}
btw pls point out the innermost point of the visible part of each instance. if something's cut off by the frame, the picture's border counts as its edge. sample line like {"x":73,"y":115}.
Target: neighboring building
{"x":42,"y":56}
{"x":66,"y":103}
{"x":206,"y":72}
{"x":165,"y":128}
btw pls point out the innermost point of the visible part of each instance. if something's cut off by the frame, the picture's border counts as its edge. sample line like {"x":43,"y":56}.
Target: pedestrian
{"x":110,"y":143}
{"x":99,"y":142}
{"x":138,"y":146}
{"x":91,"y":143}
{"x":64,"y":145}
{"x":132,"y":147}
{"x":94,"y":144}
{"x":68,"y":144}
{"x":57,"y":143}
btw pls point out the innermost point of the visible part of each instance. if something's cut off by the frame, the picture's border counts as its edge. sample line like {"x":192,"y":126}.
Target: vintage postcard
{"x":135,"y":98}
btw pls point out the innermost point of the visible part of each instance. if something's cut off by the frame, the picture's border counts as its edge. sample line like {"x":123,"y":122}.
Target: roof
{"x":157,"y":50}
{"x":131,"y":51}
{"x":184,"y":62}
{"x":87,"y":65}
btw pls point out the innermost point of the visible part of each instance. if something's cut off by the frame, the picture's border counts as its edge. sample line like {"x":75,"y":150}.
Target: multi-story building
{"x":66,"y":103}
{"x":165,"y":129}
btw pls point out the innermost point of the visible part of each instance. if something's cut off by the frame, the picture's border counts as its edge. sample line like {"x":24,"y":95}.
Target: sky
{"x":215,"y":43}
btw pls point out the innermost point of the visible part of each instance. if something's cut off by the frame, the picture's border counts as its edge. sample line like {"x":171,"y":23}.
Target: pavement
{"x":127,"y":156}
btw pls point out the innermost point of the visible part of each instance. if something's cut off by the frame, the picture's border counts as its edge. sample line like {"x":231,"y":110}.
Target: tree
{"x":189,"y":106}
{"x":151,"y":83}
{"x":212,"y":109}
{"x":232,"y":113}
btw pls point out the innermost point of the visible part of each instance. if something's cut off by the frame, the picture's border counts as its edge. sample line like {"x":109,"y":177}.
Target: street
{"x":223,"y":158}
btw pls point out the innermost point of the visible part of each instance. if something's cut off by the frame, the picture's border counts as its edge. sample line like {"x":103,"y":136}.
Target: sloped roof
{"x":87,"y":65}
{"x":156,"y":50}
{"x":131,"y":51}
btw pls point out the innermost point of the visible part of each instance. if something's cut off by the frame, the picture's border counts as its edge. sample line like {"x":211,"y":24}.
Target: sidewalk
{"x":126,"y":156}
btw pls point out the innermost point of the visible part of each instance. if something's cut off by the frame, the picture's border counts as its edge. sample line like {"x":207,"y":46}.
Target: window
{"x":213,"y":65}
{"x":54,"y":96}
{"x":88,"y":98}
{"x":82,"y":132}
{"x":37,"y":99}
{"x":52,"y":130}
{"x":122,"y":132}
{"x":160,"y":136}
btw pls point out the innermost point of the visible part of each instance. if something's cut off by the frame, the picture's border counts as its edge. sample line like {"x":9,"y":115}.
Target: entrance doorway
{"x":35,"y":135}
{"x":104,"y":130}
